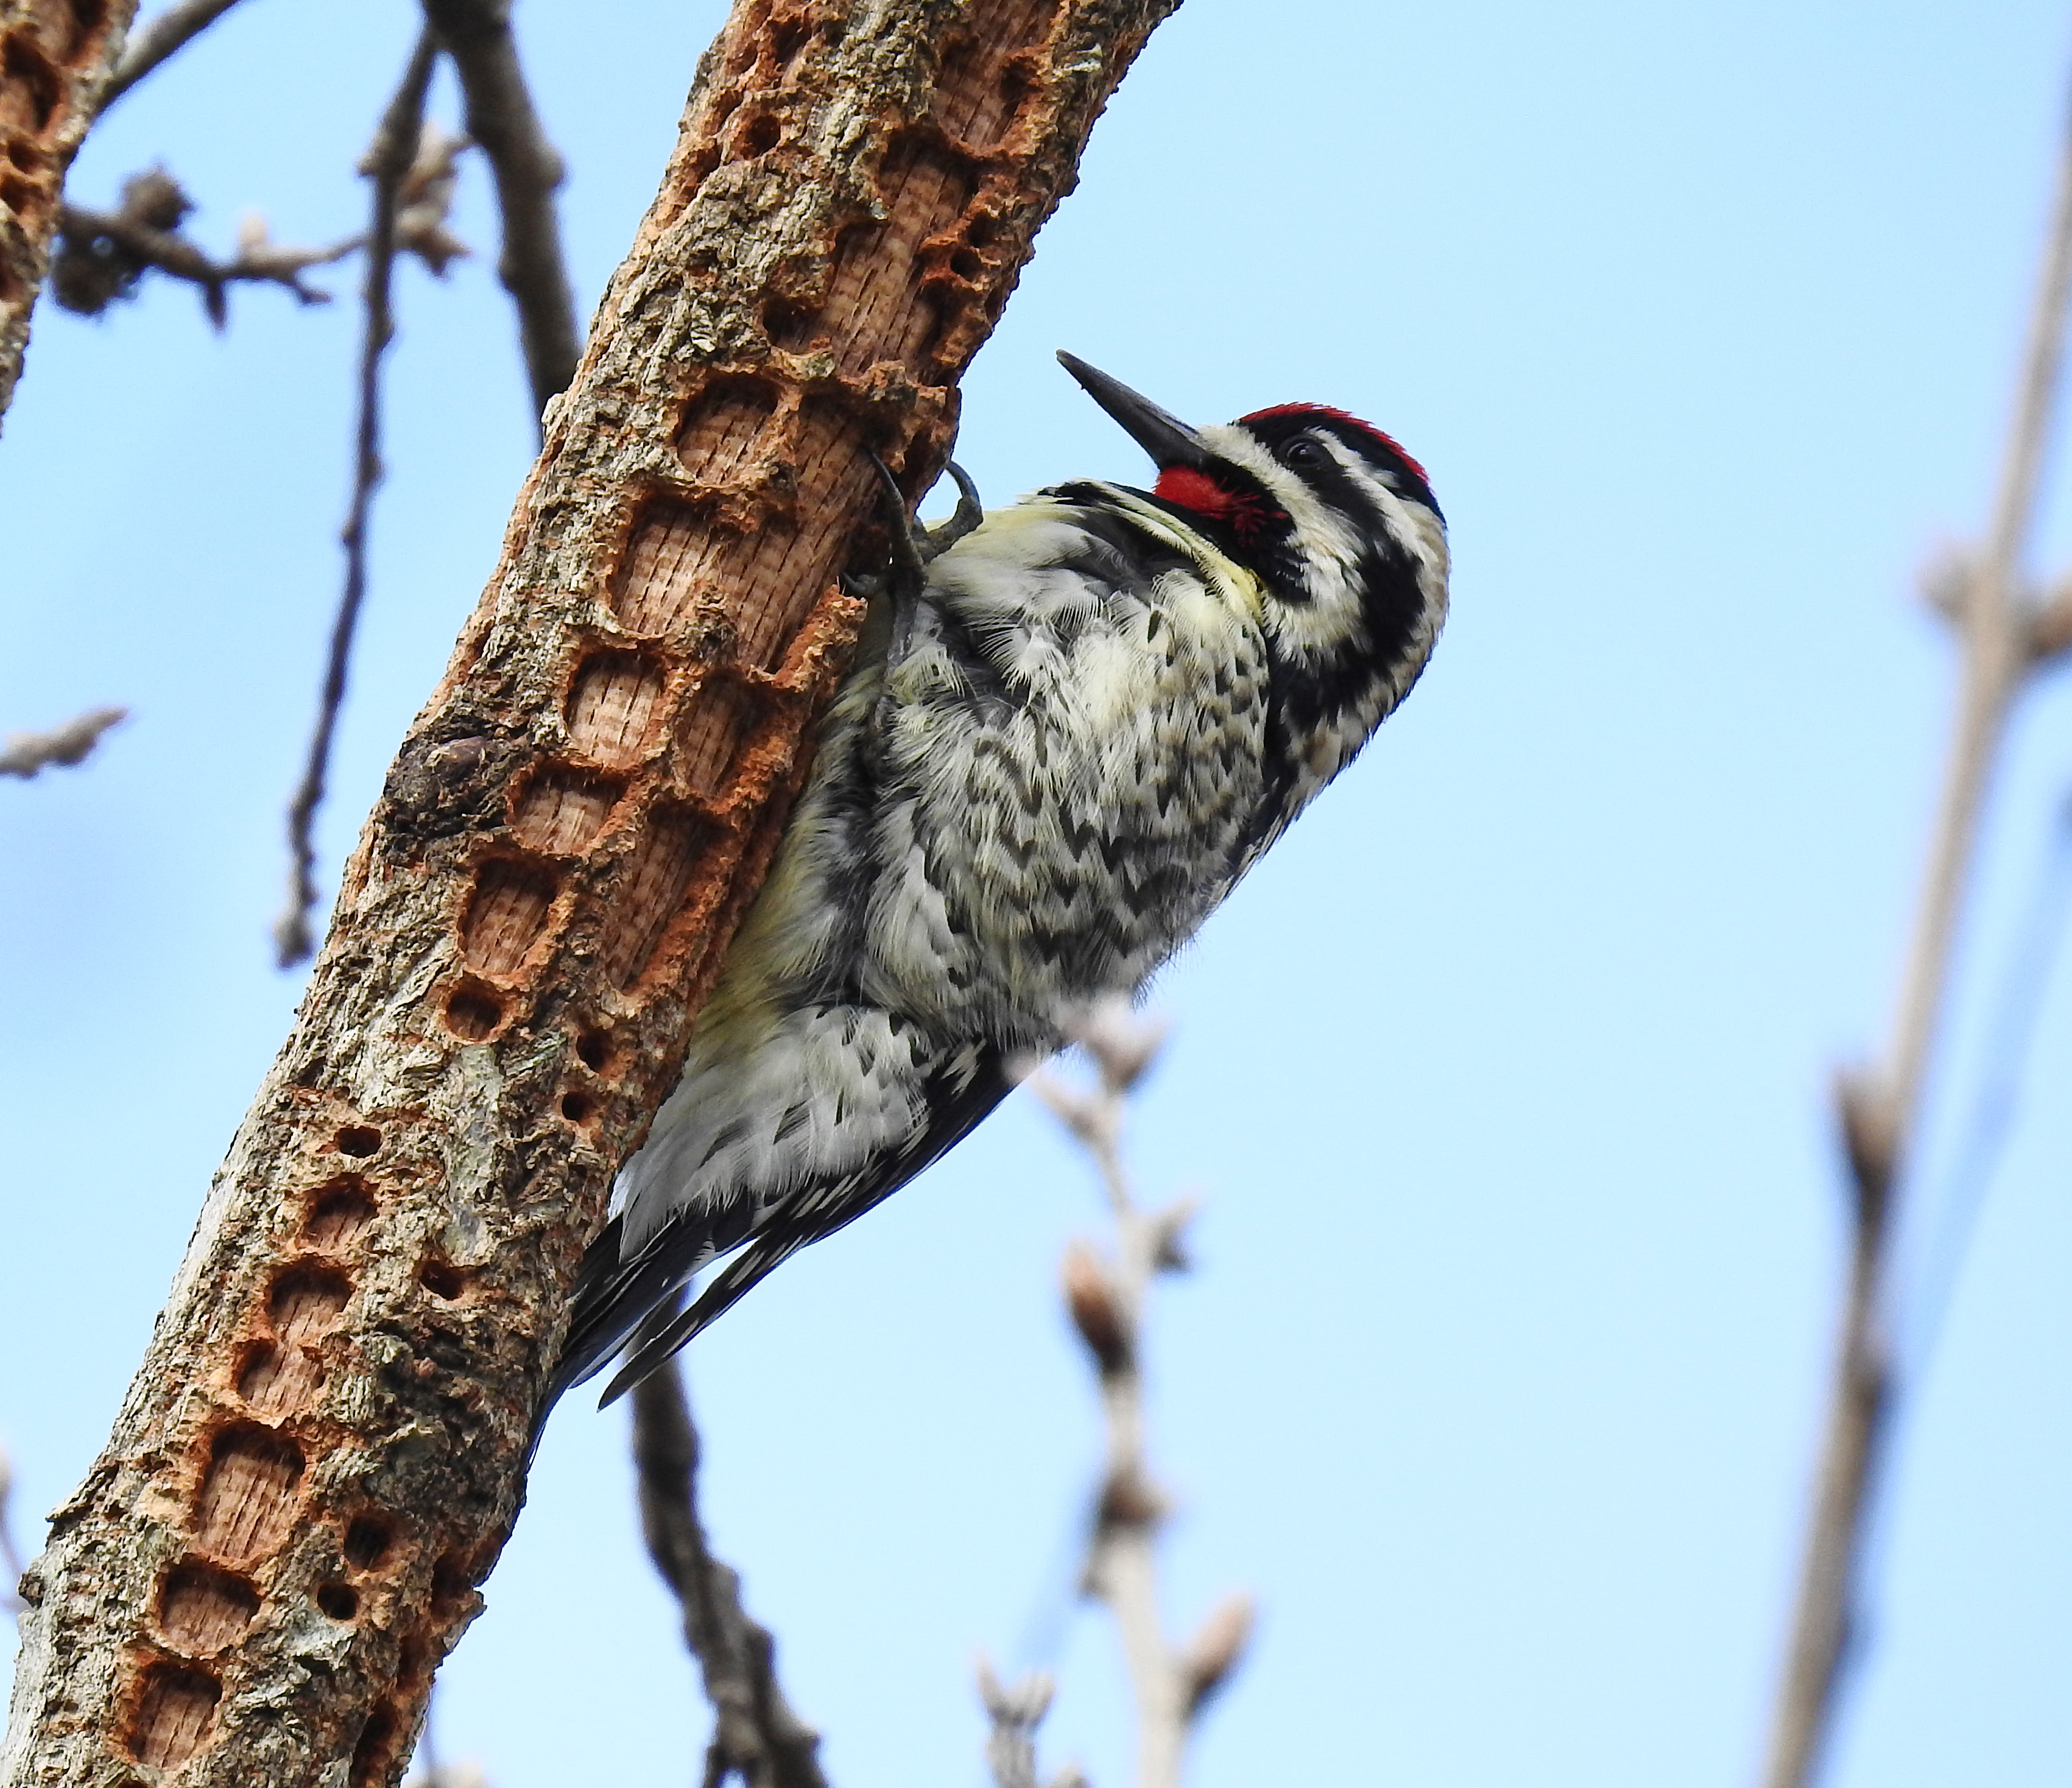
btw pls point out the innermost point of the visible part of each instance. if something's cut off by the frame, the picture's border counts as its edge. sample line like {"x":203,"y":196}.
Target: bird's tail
{"x":613,"y":1292}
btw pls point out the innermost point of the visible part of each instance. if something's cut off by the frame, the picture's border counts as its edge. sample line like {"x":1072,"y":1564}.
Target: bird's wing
{"x":960,"y":1090}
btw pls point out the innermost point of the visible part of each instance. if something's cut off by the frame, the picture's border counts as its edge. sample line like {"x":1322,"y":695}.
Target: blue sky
{"x":1501,"y":1079}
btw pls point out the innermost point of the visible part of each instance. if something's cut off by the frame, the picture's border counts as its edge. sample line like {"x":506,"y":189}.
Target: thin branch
{"x":1105,"y":1298}
{"x":2008,"y":1036}
{"x":171,"y":30}
{"x":102,"y":255}
{"x":1015,"y":1713}
{"x":501,"y":118}
{"x":756,"y":1735}
{"x":388,"y":163}
{"x":1879,"y":1110}
{"x":26,"y":753}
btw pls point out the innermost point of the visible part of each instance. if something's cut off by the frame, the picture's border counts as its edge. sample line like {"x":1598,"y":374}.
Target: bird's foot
{"x":913,"y":547}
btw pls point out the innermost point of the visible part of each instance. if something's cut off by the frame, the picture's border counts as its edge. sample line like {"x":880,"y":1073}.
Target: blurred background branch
{"x":1105,"y":1295}
{"x":10,"y":1555}
{"x":1015,"y":1713}
{"x":389,"y":162}
{"x":501,"y":117}
{"x":159,"y":38}
{"x":756,"y":1739}
{"x":27,"y":755}
{"x":2003,"y":636}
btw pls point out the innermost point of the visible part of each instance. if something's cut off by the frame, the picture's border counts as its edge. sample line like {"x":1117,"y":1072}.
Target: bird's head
{"x":1338,"y":523}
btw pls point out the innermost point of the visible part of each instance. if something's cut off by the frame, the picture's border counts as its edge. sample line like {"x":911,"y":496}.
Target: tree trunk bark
{"x":323,"y":1451}
{"x":56,"y":57}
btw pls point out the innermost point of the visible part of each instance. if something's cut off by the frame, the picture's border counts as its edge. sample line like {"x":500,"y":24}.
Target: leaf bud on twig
{"x":1870,"y":1138}
{"x":1097,"y":1310}
{"x":1123,"y":1044}
{"x":2050,"y":626}
{"x":1217,"y":1648}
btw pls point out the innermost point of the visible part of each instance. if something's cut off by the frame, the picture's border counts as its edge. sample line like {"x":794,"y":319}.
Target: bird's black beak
{"x":1166,"y":438}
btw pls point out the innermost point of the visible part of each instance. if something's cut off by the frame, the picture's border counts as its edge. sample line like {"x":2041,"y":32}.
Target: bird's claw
{"x":913,"y":547}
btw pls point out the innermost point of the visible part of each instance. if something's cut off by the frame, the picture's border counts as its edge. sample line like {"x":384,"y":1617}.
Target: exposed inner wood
{"x":307,"y":1302}
{"x":338,"y":1214}
{"x":658,"y":875}
{"x":615,"y":706}
{"x":506,"y":915}
{"x":175,"y":1711}
{"x":204,"y":1608}
{"x":247,"y":1499}
{"x":55,"y":54}
{"x":563,"y":809}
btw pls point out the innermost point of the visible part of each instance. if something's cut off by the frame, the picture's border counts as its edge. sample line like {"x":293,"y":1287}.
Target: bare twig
{"x":1105,"y":1298}
{"x":500,"y":117}
{"x":102,"y":255}
{"x":26,"y":753}
{"x":426,"y":198}
{"x":388,"y":163}
{"x":2000,"y":635}
{"x":2007,"y":1035}
{"x":1016,"y":1712}
{"x":160,"y":38}
{"x":756,"y":1735}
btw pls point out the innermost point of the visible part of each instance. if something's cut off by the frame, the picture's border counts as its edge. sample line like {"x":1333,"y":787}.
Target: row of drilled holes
{"x":246,"y":1505}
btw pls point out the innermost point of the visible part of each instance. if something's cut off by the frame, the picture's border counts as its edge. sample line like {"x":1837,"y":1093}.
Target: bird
{"x":1071,"y":725}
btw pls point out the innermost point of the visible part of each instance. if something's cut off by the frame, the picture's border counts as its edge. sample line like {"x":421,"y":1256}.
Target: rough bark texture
{"x":322,"y":1454}
{"x":55,"y":56}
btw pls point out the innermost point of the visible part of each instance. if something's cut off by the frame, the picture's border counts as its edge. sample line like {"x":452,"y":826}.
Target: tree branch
{"x":500,"y":117}
{"x":1105,"y":1299}
{"x":161,"y":38}
{"x":323,"y":1449}
{"x":1879,"y":1112}
{"x":388,"y":163}
{"x":756,"y":1736}
{"x":1015,"y":1713}
{"x":27,"y":754}
{"x":101,"y":255}
{"x":59,"y":55}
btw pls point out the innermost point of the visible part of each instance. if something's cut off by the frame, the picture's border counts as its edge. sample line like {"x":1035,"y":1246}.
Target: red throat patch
{"x":1200,"y":493}
{"x":1387,"y":440}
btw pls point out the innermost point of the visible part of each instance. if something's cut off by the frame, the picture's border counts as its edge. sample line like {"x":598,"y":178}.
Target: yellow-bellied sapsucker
{"x":1071,"y":727}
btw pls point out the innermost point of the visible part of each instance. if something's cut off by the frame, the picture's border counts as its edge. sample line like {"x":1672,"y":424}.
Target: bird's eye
{"x":1303,"y":454}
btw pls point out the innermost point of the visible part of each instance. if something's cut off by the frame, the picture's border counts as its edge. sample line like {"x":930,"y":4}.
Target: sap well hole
{"x":366,"y":1542}
{"x":593,"y":1049}
{"x":473,"y":1014}
{"x":339,"y":1214}
{"x":442,"y":1279}
{"x":359,"y":1141}
{"x":339,"y":1600}
{"x":576,"y":1106}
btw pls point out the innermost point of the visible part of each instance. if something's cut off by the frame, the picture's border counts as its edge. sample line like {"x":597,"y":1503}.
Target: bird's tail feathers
{"x":763,"y":1255}
{"x":612,"y":1294}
